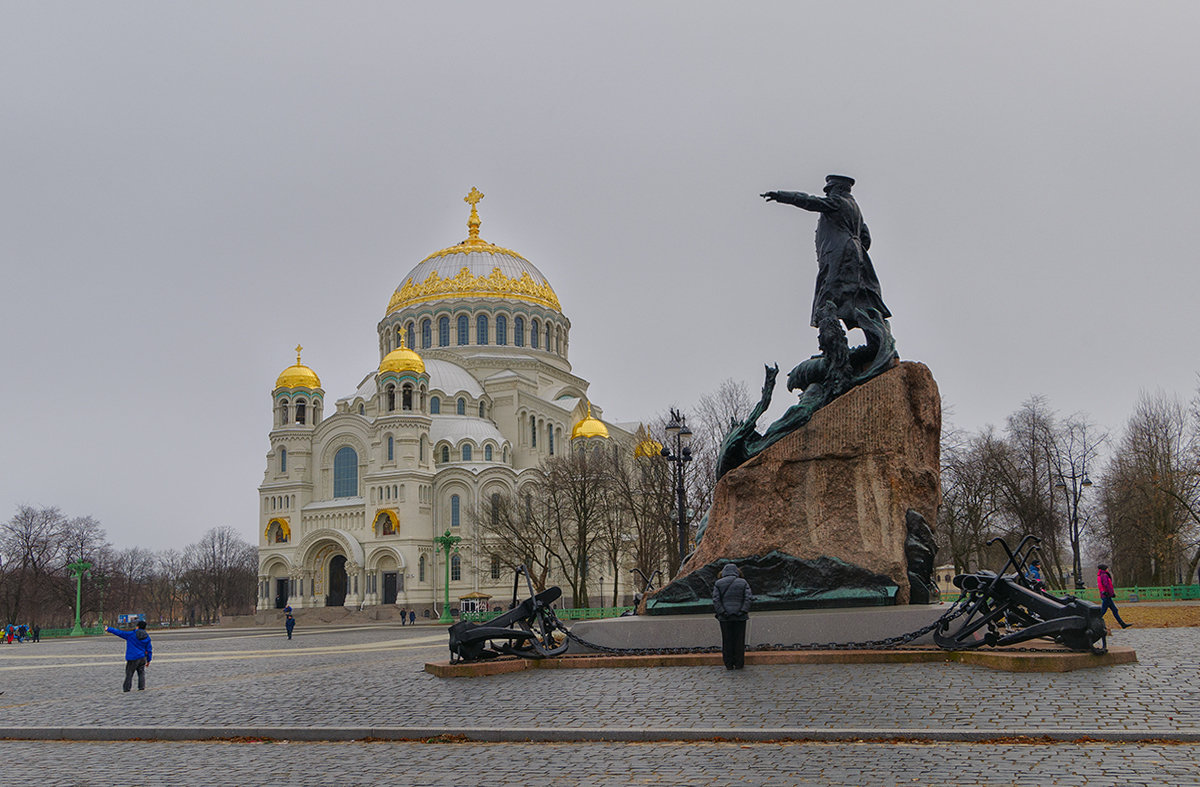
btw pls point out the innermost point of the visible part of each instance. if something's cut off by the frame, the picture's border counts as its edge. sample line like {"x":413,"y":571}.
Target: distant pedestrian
{"x":138,"y":653}
{"x":1105,"y":583}
{"x":731,"y":599}
{"x":37,"y":633}
{"x":403,"y":617}
{"x":412,"y":617}
{"x":289,"y":622}
{"x":1034,"y":575}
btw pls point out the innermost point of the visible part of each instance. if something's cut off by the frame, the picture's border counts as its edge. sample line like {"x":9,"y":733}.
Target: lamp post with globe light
{"x":447,"y":543}
{"x":78,"y":569}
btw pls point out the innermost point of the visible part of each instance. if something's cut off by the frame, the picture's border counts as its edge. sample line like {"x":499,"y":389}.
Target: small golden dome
{"x":402,"y":360}
{"x":298,"y":375}
{"x":648,"y":447}
{"x":589,"y":427}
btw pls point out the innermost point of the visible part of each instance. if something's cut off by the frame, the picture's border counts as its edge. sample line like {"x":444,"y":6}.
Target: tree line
{"x":216,"y":575}
{"x":1131,"y":500}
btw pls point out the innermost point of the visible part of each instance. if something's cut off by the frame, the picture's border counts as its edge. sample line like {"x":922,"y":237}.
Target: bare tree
{"x":971,"y":504}
{"x":32,"y":545}
{"x":517,"y":531}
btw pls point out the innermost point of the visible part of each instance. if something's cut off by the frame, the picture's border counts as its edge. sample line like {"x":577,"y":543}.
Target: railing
{"x":1135,"y":594}
{"x":47,"y":633}
{"x":584,"y":613}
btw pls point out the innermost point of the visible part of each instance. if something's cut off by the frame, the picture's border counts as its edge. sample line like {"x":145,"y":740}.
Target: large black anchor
{"x":528,"y":629}
{"x":1014,"y":611}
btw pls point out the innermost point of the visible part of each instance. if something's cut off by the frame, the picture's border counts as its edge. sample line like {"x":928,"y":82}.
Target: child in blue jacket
{"x":137,"y":653}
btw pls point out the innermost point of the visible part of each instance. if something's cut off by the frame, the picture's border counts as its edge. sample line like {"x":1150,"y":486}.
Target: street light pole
{"x":677,"y":430}
{"x":446,"y":542}
{"x":1078,"y":482}
{"x":78,"y":569}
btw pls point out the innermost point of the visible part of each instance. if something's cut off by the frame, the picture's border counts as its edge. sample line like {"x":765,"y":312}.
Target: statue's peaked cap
{"x":844,"y":179}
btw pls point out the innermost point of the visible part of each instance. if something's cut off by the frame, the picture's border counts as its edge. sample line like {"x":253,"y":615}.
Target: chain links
{"x":958,"y":608}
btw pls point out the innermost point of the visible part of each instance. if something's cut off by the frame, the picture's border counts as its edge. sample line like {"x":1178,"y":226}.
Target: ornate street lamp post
{"x":1078,"y":482}
{"x":447,"y":543}
{"x":78,"y":569}
{"x":677,"y":430}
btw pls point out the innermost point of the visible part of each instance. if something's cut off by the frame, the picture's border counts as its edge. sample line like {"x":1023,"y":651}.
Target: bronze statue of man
{"x":845,"y":275}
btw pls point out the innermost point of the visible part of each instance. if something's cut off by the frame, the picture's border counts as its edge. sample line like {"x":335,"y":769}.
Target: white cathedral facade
{"x":473,"y":391}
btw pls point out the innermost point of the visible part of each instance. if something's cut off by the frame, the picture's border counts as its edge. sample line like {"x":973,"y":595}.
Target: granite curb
{"x":1033,"y":736}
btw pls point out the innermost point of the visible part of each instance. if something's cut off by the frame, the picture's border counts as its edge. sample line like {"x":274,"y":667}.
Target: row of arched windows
{"x":467,"y":452}
{"x":277,"y":503}
{"x":297,"y":412}
{"x":535,"y":332}
{"x":539,"y":431}
{"x":405,"y":399}
{"x":460,"y":406}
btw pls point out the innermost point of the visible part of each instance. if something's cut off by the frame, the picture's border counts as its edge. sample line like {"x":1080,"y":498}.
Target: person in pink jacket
{"x":1105,"y":584}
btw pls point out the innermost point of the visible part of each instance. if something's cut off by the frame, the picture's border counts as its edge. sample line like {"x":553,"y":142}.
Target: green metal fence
{"x":1135,"y":594}
{"x":585,"y":613}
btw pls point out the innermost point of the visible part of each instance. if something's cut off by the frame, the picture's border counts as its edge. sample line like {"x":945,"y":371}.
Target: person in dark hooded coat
{"x":137,"y":653}
{"x":731,"y":603}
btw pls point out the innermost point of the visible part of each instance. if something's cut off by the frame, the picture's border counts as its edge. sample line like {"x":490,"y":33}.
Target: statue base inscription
{"x":851,"y":485}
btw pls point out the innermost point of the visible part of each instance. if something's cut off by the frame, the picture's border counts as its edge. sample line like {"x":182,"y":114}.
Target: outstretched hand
{"x":770,"y":196}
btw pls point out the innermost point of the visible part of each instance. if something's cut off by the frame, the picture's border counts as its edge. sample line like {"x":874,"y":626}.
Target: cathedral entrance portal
{"x":337,"y":582}
{"x":389,"y":587}
{"x":281,"y":593}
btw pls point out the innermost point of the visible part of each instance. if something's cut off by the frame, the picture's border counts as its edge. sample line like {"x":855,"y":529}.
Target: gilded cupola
{"x":402,"y":359}
{"x":298,"y":375}
{"x":474,"y":268}
{"x":589,"y":427}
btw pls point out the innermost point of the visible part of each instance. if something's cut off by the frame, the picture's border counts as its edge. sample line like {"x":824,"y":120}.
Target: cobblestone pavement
{"x":603,"y":764}
{"x":372,"y":676}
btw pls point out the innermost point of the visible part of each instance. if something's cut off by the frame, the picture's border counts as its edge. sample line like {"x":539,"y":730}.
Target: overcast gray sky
{"x":187,"y":191}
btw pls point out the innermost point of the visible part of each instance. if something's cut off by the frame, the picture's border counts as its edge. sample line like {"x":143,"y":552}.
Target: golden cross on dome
{"x":472,"y":199}
{"x":298,"y":349}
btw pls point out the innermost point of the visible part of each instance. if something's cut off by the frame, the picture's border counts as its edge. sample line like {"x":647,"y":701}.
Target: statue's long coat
{"x":845,"y":274}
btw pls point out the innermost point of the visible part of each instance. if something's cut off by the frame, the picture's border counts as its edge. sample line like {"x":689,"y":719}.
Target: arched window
{"x":455,"y":568}
{"x":283,"y":460}
{"x":283,"y":412}
{"x":481,"y":329}
{"x":421,"y":450}
{"x":426,"y":334}
{"x":300,"y":411}
{"x":345,"y":472}
{"x":406,"y":398}
{"x":547,"y":337}
{"x":410,"y":340}
{"x":362,"y":410}
{"x":421,"y":569}
{"x":391,"y":448}
{"x":443,"y":332}
{"x":455,"y":512}
{"x":506,"y":455}
{"x":464,"y":330}
{"x":501,"y":329}
{"x":533,"y":334}
{"x":487,"y":453}
{"x":533,"y":431}
{"x":495,"y":508}
{"x":550,"y":440}
{"x":466,"y":453}
{"x":519,"y":331}
{"x":495,"y":566}
{"x":445,"y":453}
{"x":460,"y":407}
{"x":391,"y":398}
{"x":435,"y":406}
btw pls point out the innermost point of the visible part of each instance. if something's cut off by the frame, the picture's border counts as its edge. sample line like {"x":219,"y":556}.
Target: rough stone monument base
{"x":840,"y":488}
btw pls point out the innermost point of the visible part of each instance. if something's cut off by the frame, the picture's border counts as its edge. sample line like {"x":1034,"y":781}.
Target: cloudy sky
{"x":187,"y":191}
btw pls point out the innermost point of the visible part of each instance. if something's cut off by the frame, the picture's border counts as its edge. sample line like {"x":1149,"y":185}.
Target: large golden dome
{"x":474,"y":268}
{"x":402,"y":360}
{"x":589,"y":427}
{"x":298,"y":375}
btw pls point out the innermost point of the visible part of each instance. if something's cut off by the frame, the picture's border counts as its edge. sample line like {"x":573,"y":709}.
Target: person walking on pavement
{"x":412,"y":617}
{"x":403,"y":617}
{"x":138,"y":653}
{"x":289,"y":621}
{"x":1105,"y":583}
{"x":731,"y":602}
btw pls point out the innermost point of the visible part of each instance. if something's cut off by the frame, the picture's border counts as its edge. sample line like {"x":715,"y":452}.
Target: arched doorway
{"x":337,"y":582}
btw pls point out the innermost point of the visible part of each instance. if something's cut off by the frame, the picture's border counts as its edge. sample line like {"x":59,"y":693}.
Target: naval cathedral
{"x":473,"y":391}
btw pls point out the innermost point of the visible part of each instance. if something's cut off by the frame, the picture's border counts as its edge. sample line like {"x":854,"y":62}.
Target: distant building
{"x":472,"y":392}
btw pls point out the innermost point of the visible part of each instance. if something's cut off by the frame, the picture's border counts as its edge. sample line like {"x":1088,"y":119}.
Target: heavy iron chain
{"x":958,"y":608}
